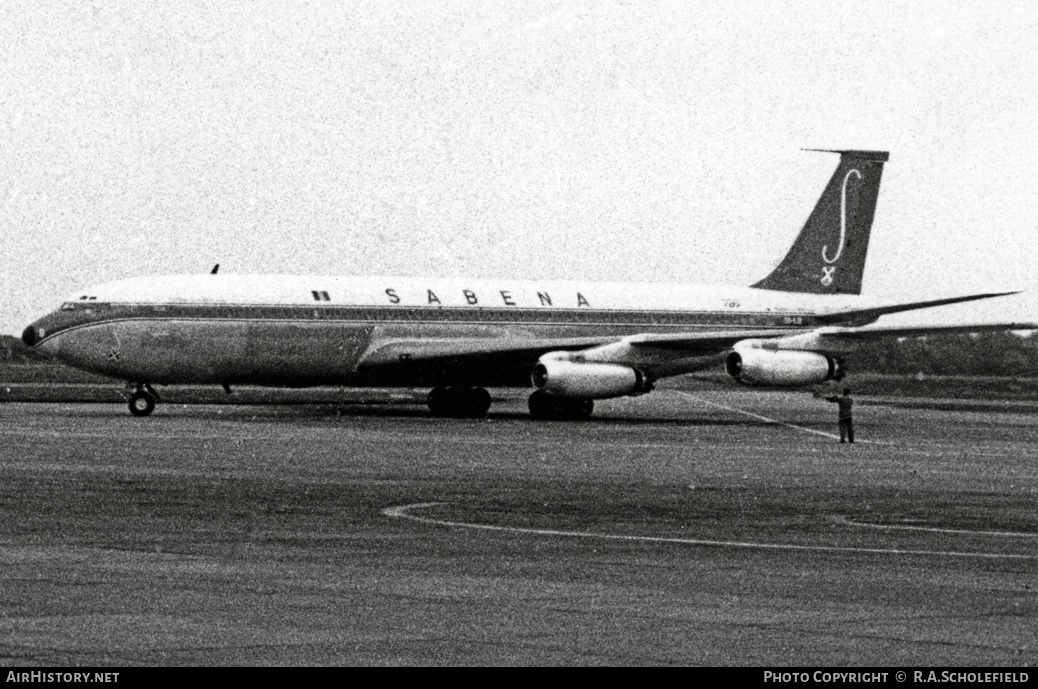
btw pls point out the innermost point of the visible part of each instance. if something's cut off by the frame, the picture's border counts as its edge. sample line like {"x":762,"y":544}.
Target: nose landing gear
{"x":142,"y":402}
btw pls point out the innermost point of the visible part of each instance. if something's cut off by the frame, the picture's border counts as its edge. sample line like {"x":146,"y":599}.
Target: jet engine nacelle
{"x":782,"y":367}
{"x":588,"y":380}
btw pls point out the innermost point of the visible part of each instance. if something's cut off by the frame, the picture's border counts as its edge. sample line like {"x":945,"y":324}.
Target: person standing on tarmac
{"x":846,"y":414}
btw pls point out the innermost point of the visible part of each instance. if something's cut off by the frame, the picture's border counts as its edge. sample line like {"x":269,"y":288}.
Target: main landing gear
{"x":142,"y":402}
{"x":545,"y":406}
{"x":459,"y":402}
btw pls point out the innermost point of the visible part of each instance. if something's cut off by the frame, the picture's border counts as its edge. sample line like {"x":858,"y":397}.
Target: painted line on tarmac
{"x":366,"y":437}
{"x":996,"y":452}
{"x":770,"y":420}
{"x":403,"y":512}
{"x":43,"y":433}
{"x":965,"y":532}
{"x":369,"y":437}
{"x":30,"y":384}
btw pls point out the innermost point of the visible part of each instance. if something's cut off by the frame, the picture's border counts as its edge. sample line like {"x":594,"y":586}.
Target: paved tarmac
{"x":675,"y":528}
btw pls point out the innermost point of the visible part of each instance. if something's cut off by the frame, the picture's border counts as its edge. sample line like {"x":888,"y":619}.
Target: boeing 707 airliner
{"x":571,"y":342}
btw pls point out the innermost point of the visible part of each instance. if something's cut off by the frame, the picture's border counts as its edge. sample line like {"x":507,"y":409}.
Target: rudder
{"x":828,"y":256}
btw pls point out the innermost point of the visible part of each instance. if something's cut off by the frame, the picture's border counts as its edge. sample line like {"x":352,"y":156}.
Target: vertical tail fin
{"x":828,"y":256}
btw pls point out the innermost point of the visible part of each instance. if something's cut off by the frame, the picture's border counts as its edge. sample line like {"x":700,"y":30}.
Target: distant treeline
{"x":982,"y":354}
{"x":13,"y":350}
{"x":985,"y":354}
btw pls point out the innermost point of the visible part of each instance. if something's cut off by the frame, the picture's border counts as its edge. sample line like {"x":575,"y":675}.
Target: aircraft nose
{"x":30,"y":336}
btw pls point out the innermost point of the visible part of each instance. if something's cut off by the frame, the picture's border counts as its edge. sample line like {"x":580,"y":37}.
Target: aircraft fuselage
{"x":309,"y":331}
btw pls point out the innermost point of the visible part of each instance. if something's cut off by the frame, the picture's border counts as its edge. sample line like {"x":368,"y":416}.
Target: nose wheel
{"x":142,"y":402}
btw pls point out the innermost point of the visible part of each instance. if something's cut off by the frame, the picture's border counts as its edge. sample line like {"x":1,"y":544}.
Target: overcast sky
{"x":598,"y":141}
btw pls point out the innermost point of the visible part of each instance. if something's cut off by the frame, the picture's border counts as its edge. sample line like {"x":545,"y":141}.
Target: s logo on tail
{"x":845,"y":208}
{"x":843,"y":226}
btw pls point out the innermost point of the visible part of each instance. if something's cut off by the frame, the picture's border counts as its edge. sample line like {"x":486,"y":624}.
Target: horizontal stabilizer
{"x":880,"y":156}
{"x":871,"y":314}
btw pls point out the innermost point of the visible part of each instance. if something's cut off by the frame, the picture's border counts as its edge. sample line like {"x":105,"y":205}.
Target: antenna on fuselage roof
{"x":215,"y":268}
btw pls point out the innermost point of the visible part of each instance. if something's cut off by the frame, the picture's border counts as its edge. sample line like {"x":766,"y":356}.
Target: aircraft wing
{"x":708,"y":342}
{"x":509,"y":360}
{"x":530,"y":349}
{"x":883,"y":332}
{"x":393,"y":352}
{"x":704,"y":342}
{"x":812,"y":339}
{"x":523,"y":351}
{"x":504,"y":361}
